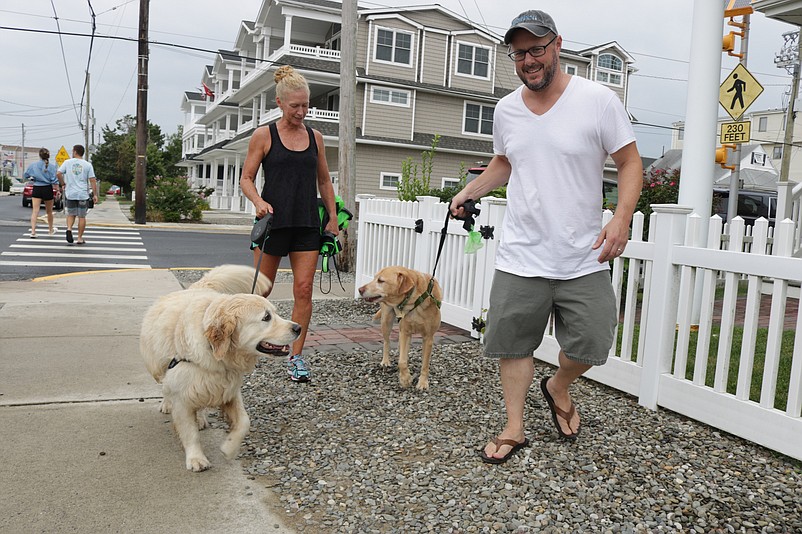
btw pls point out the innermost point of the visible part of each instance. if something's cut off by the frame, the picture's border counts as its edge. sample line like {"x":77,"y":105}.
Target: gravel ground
{"x":353,"y":452}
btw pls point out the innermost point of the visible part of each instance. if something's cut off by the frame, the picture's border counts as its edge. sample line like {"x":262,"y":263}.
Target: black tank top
{"x":291,"y":183}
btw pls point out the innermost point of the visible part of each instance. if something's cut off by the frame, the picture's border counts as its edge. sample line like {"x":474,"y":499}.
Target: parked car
{"x":27,"y":192}
{"x":473,"y":172}
{"x":16,"y":187}
{"x":751,"y":205}
{"x":115,"y":190}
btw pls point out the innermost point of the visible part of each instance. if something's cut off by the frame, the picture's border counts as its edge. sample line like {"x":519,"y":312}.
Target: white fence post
{"x":424,"y":261}
{"x":493,"y":210}
{"x":360,"y":251}
{"x":669,"y":231}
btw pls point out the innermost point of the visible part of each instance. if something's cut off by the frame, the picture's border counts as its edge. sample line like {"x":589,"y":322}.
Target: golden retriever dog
{"x":406,"y":296}
{"x":233,"y":279}
{"x":198,"y":344}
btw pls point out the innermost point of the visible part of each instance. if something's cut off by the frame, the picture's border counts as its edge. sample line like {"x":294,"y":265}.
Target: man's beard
{"x":548,"y":76}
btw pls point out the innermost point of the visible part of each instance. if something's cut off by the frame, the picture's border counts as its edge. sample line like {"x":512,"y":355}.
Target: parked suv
{"x":751,"y":205}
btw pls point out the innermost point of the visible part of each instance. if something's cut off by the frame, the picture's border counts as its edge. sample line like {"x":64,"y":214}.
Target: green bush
{"x":172,"y":200}
{"x":660,"y":186}
{"x":410,"y":186}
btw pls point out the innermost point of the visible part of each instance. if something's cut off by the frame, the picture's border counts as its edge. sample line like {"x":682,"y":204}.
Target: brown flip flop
{"x":516,"y":446}
{"x":555,"y":411}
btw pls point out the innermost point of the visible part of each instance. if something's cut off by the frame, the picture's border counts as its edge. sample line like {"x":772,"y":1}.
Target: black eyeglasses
{"x":535,"y":51}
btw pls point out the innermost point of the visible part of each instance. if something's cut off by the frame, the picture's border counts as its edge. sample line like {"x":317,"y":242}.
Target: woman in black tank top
{"x":293,"y":161}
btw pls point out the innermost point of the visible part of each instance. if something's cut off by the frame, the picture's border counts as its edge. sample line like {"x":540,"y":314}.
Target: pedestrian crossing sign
{"x":738,"y":91}
{"x":62,"y":156}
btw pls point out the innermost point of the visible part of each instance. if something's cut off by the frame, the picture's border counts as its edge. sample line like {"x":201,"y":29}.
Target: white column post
{"x":287,"y":31}
{"x":698,"y":152}
{"x":661,"y":316}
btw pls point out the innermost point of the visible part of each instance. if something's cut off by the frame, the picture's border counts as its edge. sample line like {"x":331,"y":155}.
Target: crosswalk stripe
{"x":83,"y":247}
{"x":93,"y":236}
{"x":73,"y":264}
{"x":75,"y":255}
{"x":96,"y":242}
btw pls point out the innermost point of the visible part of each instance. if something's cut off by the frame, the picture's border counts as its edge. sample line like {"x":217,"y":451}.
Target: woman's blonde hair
{"x":288,"y":81}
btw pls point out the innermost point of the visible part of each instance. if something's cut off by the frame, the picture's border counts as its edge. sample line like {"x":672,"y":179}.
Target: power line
{"x":64,"y":57}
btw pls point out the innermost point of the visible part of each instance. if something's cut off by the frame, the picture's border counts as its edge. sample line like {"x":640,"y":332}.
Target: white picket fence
{"x":676,"y":281}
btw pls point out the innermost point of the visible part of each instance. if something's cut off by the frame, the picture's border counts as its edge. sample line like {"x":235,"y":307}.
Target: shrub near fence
{"x":659,"y":357}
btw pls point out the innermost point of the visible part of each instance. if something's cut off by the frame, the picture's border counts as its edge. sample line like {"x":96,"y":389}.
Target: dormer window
{"x":473,"y":60}
{"x":393,"y":46}
{"x":610,"y":70}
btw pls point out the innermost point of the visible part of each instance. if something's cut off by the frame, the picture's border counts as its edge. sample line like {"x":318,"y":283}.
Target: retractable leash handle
{"x":259,"y":234}
{"x":471,"y":211}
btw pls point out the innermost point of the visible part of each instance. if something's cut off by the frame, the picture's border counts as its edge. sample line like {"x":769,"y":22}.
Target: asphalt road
{"x":23,"y":258}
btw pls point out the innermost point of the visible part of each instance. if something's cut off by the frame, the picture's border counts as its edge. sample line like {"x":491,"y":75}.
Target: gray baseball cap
{"x":536,"y":22}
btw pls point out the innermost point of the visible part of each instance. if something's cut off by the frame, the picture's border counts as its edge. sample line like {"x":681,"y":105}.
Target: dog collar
{"x":175,"y":362}
{"x":399,"y":310}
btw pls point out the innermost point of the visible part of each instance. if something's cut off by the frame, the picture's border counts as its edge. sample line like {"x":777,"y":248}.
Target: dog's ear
{"x":405,"y":282}
{"x":220,"y":324}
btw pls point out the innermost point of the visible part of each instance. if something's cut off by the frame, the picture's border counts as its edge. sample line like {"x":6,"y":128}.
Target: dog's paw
{"x":423,"y":383}
{"x":385,"y":362}
{"x":198,"y":463}
{"x":165,"y":406}
{"x":405,"y":380}
{"x":230,"y":449}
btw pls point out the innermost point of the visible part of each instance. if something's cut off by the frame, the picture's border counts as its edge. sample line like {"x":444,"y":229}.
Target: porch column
{"x":287,"y":30}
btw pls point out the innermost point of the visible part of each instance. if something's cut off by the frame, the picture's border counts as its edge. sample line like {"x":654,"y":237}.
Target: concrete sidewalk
{"x":85,"y":448}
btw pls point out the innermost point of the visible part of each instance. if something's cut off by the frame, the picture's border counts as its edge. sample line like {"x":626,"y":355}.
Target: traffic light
{"x":728,"y":42}
{"x":721,"y":156}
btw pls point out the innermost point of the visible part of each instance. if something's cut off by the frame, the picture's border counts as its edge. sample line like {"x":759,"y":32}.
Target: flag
{"x":207,"y":92}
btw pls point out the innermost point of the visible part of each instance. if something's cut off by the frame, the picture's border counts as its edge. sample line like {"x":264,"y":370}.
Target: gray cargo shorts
{"x":76,"y":208}
{"x":584,"y":316}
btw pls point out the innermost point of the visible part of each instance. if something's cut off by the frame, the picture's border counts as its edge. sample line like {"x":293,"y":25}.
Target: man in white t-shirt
{"x":551,"y":138}
{"x":76,"y":175}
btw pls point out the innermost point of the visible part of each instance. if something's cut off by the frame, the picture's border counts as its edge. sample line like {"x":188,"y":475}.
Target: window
{"x":681,"y":134}
{"x":570,"y":69}
{"x":610,"y":69}
{"x":777,"y":153}
{"x":393,"y":46}
{"x":473,"y":60}
{"x":762,"y":124}
{"x":758,"y":158}
{"x":392,"y":97}
{"x":449,"y":182}
{"x":389,"y":181}
{"x":478,"y":119}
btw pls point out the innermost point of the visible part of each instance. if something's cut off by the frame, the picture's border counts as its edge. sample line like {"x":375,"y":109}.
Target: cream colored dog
{"x":198,"y":344}
{"x":405,"y":296}
{"x":233,"y":279}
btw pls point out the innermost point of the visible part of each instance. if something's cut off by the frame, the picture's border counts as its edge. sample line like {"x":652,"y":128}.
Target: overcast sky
{"x":42,"y":84}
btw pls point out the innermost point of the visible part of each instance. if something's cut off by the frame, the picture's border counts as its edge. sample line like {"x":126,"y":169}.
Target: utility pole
{"x":347,"y":131}
{"x":735,"y":174}
{"x":788,"y":59}
{"x":86,"y":125}
{"x":141,"y":113}
{"x":22,"y":170}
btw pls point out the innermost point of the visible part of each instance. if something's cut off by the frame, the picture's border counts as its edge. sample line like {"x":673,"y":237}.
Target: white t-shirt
{"x":554,"y":195}
{"x":77,"y":173}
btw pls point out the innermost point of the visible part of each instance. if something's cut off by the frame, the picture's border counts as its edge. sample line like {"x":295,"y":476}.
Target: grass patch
{"x":783,"y":373}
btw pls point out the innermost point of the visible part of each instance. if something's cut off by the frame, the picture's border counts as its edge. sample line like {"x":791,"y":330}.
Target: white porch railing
{"x":656,"y":361}
{"x":274,"y":114}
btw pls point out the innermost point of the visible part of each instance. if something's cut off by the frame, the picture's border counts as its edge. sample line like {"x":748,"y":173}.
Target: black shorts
{"x":282,"y":241}
{"x":45,"y":192}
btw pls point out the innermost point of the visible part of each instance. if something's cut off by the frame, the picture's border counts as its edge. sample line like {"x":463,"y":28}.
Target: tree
{"x":115,"y":158}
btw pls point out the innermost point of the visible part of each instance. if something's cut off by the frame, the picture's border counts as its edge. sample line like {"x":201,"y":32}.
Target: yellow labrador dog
{"x":198,"y":344}
{"x":413,"y":299}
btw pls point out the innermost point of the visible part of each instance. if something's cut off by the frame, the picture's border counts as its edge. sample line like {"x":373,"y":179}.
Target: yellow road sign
{"x":736,"y":132}
{"x":738,"y":91}
{"x":62,"y":156}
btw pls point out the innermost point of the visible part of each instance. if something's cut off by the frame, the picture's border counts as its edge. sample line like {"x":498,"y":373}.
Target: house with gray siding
{"x":421,"y":71}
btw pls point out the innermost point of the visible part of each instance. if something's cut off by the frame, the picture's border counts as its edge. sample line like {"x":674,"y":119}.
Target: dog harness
{"x":399,"y":309}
